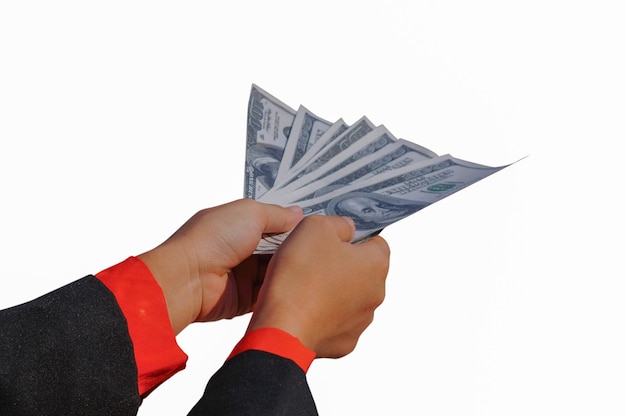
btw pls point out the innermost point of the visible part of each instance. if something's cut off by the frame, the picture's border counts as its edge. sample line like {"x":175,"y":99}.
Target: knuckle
{"x":317,"y":221}
{"x":380,"y":298}
{"x":247,"y":203}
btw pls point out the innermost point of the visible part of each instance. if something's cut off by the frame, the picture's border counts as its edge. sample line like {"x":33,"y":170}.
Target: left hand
{"x":206,"y":268}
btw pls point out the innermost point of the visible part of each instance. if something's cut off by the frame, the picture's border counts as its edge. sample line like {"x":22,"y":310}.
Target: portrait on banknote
{"x":372,"y":211}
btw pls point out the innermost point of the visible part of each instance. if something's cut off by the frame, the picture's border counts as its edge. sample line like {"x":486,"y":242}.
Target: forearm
{"x":257,"y":383}
{"x":180,"y":285}
{"x":67,"y":353}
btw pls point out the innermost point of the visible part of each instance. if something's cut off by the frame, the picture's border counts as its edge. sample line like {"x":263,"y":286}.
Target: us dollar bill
{"x":373,"y":142}
{"x":395,"y":156}
{"x":333,"y":149}
{"x":357,"y":170}
{"x":305,"y":131}
{"x":382,"y":200}
{"x":334,"y":131}
{"x":269,"y":124}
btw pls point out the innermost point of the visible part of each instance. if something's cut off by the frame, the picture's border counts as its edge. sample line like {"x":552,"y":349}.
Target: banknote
{"x":338,"y":146}
{"x":341,"y":144}
{"x":374,"y":142}
{"x":395,"y":156}
{"x":305,"y":131}
{"x":268,"y":128}
{"x":334,"y":131}
{"x":358,"y":170}
{"x":382,"y":200}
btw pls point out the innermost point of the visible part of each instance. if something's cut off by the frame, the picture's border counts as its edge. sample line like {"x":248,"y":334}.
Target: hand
{"x":322,"y":289}
{"x":206,"y":269}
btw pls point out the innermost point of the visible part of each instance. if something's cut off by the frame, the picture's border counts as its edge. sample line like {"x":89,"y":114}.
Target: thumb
{"x":278,"y":219}
{"x":332,"y":225}
{"x":345,"y":228}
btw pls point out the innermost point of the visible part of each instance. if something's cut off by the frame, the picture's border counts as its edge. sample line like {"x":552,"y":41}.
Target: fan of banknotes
{"x":359,"y":170}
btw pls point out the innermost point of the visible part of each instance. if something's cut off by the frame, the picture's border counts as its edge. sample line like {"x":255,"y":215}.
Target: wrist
{"x":278,"y":342}
{"x":289,"y":321}
{"x":181,"y":287}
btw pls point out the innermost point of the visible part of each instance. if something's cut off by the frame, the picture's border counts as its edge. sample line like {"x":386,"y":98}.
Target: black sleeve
{"x":67,"y":353}
{"x":257,"y":383}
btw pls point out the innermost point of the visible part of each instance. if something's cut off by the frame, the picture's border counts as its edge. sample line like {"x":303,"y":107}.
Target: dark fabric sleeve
{"x":67,"y":353}
{"x":257,"y":383}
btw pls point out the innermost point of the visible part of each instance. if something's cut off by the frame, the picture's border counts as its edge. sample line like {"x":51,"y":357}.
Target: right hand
{"x":322,"y":289}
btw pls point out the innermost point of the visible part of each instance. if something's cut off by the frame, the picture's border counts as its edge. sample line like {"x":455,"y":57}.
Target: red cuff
{"x":141,"y":300}
{"x":277,"y":342}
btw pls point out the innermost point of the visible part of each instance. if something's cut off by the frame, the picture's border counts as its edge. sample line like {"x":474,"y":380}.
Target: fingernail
{"x":296,"y":209}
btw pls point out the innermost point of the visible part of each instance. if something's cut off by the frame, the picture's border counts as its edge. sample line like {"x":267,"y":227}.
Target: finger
{"x":377,"y":251}
{"x":278,"y":219}
{"x":345,"y":227}
{"x":342,"y":227}
{"x":377,"y":245}
{"x":250,"y":275}
{"x":272,"y":218}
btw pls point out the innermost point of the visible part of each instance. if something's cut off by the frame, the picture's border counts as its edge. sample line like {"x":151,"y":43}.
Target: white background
{"x":119,"y":120}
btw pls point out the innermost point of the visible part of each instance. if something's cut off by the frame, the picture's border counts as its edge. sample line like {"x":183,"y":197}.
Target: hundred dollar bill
{"x":373,"y":142}
{"x":334,"y":131}
{"x":306,"y":129}
{"x":268,"y":127}
{"x":381,"y":200}
{"x":395,"y":156}
{"x":339,"y":145}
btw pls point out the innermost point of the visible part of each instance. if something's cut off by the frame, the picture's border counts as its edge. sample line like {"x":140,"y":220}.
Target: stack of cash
{"x":359,"y":170}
